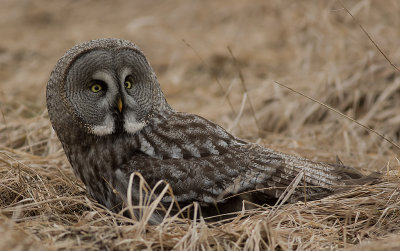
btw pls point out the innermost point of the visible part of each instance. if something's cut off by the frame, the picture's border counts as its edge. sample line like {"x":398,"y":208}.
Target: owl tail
{"x":318,"y":179}
{"x":303,"y":179}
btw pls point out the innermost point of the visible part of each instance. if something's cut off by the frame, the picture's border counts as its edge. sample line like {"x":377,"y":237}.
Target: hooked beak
{"x":120,"y":105}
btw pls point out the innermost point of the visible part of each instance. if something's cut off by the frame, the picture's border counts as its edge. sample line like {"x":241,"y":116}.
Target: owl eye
{"x":128,"y":84}
{"x":96,"y":87}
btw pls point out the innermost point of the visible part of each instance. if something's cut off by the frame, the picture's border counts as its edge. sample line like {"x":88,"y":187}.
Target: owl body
{"x":110,"y":114}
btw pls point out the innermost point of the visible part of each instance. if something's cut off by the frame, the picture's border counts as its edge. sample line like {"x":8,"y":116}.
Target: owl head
{"x":103,"y":87}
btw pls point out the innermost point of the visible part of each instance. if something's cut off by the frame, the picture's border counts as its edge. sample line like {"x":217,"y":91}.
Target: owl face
{"x":110,"y":90}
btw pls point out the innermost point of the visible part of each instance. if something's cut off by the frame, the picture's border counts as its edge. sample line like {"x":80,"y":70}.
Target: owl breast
{"x":95,"y":165}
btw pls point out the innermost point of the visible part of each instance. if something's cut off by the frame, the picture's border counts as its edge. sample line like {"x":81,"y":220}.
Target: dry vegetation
{"x":312,"y":46}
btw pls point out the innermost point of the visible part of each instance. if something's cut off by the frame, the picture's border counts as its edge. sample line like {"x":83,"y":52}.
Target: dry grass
{"x":313,"y":47}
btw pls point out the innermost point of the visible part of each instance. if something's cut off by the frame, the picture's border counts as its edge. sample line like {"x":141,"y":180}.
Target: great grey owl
{"x":109,"y":112}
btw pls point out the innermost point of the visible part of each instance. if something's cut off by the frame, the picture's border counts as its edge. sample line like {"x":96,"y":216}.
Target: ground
{"x":218,"y":59}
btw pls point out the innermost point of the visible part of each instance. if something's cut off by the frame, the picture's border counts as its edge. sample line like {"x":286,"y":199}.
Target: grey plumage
{"x":110,"y":114}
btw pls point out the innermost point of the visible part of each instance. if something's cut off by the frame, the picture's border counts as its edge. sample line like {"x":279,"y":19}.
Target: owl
{"x":111,"y":116}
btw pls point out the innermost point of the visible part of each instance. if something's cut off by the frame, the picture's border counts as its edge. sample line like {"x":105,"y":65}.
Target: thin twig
{"x":244,"y":88}
{"x":215,"y":77}
{"x":341,"y":114}
{"x":369,"y":37}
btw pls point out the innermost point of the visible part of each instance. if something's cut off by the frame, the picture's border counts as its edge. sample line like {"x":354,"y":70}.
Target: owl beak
{"x":119,"y":105}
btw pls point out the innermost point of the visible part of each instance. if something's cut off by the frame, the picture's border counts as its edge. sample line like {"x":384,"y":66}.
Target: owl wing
{"x":244,"y":168}
{"x":204,"y":163}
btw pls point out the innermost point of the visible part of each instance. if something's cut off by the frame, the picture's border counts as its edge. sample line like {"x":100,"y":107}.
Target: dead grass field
{"x":312,"y":46}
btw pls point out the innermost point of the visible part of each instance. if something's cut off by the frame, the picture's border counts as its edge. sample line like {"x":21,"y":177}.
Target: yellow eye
{"x":128,"y":84}
{"x":96,"y":88}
